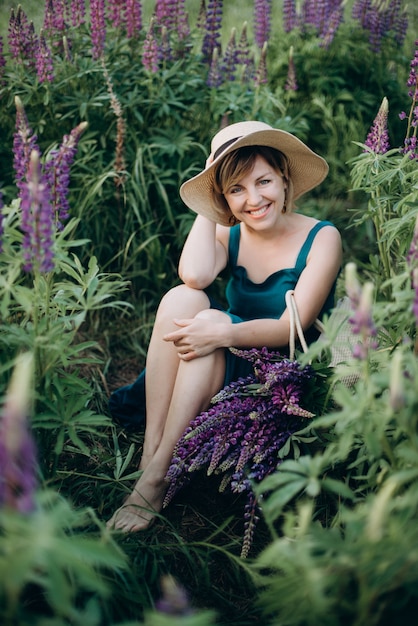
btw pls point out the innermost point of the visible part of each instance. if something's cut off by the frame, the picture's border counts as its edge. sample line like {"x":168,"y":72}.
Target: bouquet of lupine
{"x":240,"y":435}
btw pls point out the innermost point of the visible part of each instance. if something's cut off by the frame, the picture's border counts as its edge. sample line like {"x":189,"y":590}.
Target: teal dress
{"x":248,"y":300}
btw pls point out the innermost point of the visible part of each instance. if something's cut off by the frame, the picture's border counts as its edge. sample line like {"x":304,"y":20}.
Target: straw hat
{"x":307,"y":169}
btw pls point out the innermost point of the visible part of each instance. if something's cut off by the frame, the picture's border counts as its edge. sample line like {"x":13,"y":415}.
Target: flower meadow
{"x":294,"y":498}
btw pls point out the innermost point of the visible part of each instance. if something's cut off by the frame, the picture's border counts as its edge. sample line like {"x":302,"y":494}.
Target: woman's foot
{"x":140,"y":508}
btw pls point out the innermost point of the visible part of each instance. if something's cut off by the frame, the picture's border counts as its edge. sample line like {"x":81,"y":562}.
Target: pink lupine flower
{"x":98,"y":27}
{"x":151,"y":51}
{"x":24,"y":142}
{"x":410,"y":146}
{"x":378,"y":138}
{"x":44,"y":63}
{"x":37,"y":219}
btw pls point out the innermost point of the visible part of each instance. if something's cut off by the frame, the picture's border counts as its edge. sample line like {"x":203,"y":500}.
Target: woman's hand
{"x":196,"y":337}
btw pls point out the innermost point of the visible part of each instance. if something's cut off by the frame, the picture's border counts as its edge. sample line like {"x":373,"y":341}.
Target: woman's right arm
{"x":204,"y":253}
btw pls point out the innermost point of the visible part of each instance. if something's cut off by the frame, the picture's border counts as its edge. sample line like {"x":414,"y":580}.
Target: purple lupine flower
{"x":240,"y":434}
{"x":21,"y":37}
{"x":24,"y":142}
{"x":261,"y":72}
{"x":78,"y":13}
{"x":412,"y":263}
{"x":98,"y":27}
{"x":230,"y":59}
{"x":213,"y":23}
{"x":262,"y":21}
{"x":410,"y":146}
{"x":331,"y":26}
{"x":378,"y":138}
{"x":133,"y":18}
{"x":48,"y":25}
{"x":291,"y":82}
{"x":58,"y":17}
{"x":244,"y":58}
{"x":290,"y":18}
{"x":182,"y":21}
{"x":54,"y":25}
{"x":165,"y":50}
{"x":18,"y":463}
{"x":116,"y":13}
{"x":174,"y":599}
{"x":165,"y":14}
{"x":362,"y":324}
{"x":44,"y":63}
{"x":57,"y":170}
{"x":37,"y":219}
{"x":151,"y":51}
{"x":381,"y":19}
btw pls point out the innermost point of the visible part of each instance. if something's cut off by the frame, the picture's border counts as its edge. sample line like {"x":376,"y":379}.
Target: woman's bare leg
{"x":163,"y":362}
{"x":177,"y":391}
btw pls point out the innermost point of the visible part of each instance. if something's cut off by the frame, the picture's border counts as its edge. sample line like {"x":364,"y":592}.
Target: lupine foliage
{"x":337,"y":529}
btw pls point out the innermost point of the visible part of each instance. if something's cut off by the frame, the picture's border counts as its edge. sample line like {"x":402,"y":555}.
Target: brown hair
{"x":239,"y":163}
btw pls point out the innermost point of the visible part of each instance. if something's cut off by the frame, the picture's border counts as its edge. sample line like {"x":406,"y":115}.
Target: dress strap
{"x":233,"y":244}
{"x":305,"y":249}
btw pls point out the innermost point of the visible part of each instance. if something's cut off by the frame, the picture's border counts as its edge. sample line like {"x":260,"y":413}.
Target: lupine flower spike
{"x":240,"y":435}
{"x":24,"y":142}
{"x":78,"y":13}
{"x":261,"y":73}
{"x":57,"y":170}
{"x":44,"y":64}
{"x":214,"y":76}
{"x":412,"y":262}
{"x":98,"y":27}
{"x":290,"y":18}
{"x":410,"y":144}
{"x":213,"y":23}
{"x":18,"y":465}
{"x":291,"y":83}
{"x":230,"y":58}
{"x":361,"y":320}
{"x":37,"y":219}
{"x":150,"y":50}
{"x":378,"y":138}
{"x":262,"y":21}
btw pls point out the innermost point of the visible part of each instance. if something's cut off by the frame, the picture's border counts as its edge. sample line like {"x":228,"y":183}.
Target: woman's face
{"x":257,"y":199}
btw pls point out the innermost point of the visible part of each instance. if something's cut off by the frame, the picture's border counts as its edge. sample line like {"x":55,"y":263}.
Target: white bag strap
{"x":296,"y":329}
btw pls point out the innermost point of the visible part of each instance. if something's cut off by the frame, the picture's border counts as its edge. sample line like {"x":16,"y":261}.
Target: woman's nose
{"x":253,"y":196}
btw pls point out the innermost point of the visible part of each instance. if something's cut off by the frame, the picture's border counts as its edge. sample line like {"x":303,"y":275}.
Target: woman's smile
{"x":260,"y":211}
{"x":258,"y":194}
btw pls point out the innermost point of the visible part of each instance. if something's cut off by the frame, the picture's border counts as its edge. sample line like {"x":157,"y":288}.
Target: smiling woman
{"x":268,"y":250}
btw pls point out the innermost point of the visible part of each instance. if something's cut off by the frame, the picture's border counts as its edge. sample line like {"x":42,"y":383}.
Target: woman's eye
{"x":265,"y":181}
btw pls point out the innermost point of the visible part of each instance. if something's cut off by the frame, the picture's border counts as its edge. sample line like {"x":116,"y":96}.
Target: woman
{"x":244,"y":200}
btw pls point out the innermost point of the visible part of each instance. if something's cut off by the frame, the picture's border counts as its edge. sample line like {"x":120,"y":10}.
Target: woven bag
{"x":338,"y":326}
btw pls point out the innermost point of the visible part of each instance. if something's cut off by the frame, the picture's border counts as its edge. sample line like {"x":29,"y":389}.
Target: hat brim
{"x":306,"y":168}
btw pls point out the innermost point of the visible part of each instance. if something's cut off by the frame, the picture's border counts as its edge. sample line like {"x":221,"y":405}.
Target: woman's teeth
{"x":260,"y":211}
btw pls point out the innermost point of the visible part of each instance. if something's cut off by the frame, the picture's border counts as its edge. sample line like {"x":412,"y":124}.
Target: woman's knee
{"x":214,"y":315}
{"x":183,"y":301}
